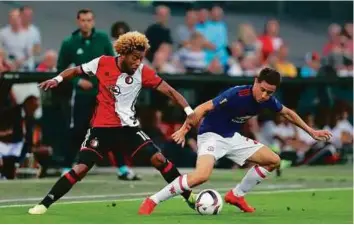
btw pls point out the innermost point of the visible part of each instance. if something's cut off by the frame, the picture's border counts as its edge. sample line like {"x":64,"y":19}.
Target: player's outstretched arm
{"x":65,"y":75}
{"x":294,"y":118}
{"x":200,"y":112}
{"x":175,"y":96}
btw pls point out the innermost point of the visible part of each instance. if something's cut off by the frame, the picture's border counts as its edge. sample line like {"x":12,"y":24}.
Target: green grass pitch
{"x":301,"y":195}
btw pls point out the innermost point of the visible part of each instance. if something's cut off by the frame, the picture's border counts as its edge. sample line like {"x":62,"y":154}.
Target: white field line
{"x":88,"y":197}
{"x":150,"y":193}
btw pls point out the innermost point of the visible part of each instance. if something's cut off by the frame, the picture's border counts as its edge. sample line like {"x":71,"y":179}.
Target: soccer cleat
{"x":238,"y":201}
{"x":129,"y":177}
{"x":147,"y":207}
{"x":191,"y":200}
{"x":37,"y":210}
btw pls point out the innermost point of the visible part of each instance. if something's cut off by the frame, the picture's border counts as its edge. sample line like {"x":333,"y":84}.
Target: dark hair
{"x":22,"y":8}
{"x":83,"y":11}
{"x":270,"y":76}
{"x":117,"y":26}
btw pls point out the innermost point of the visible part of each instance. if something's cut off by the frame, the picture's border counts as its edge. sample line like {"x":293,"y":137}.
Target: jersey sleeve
{"x":91,"y":67}
{"x":224,"y":98}
{"x":150,"y":79}
{"x":274,"y":104}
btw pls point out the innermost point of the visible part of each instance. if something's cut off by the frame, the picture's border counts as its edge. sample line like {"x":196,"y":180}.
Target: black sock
{"x":170,"y":173}
{"x":60,"y":188}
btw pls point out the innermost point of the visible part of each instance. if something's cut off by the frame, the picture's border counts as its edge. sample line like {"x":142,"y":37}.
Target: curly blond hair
{"x":131,"y":41}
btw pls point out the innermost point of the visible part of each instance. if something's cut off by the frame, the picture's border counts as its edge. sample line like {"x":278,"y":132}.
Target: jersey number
{"x":143,"y":135}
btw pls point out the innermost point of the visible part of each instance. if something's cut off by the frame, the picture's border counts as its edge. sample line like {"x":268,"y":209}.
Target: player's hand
{"x":321,"y":135}
{"x":192,"y":119}
{"x":179,"y":137}
{"x":48,"y":84}
{"x":85,"y":84}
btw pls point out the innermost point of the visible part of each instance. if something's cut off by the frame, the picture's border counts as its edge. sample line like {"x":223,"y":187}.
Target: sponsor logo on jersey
{"x":241,"y":119}
{"x":223,"y":101}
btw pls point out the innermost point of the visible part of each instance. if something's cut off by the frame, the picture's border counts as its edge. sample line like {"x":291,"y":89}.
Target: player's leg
{"x":183,"y":183}
{"x":124,"y":172}
{"x":90,"y":153}
{"x":86,"y":161}
{"x":264,"y":158}
{"x":149,"y":152}
{"x":207,"y":155}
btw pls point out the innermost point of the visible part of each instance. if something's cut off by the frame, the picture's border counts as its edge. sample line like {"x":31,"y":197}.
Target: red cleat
{"x":239,"y":202}
{"x":147,"y":207}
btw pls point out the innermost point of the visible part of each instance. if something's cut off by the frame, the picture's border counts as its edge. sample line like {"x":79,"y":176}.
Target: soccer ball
{"x":209,"y":202}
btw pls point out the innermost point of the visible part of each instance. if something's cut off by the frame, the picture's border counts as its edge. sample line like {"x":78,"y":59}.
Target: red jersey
{"x":117,"y":91}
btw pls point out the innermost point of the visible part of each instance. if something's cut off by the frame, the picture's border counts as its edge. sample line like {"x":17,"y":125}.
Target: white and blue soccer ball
{"x":208,"y":202}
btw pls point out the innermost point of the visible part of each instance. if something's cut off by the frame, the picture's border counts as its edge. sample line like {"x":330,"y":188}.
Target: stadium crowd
{"x":202,"y":47}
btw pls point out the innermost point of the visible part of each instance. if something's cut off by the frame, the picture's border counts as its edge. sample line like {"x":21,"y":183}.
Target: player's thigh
{"x":139,"y":145}
{"x":264,"y":157}
{"x":212,"y":144}
{"x":96,"y":144}
{"x":242,"y":148}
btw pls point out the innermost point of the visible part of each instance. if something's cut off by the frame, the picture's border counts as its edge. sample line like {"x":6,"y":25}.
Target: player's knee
{"x":81,"y":170}
{"x":274,"y":161}
{"x":198,"y":178}
{"x":158,"y":160}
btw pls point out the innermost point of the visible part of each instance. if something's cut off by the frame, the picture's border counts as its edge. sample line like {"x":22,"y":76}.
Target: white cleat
{"x":37,"y":210}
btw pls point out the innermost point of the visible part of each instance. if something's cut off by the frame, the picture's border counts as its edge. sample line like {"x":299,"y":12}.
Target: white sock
{"x":176,"y":187}
{"x":253,"y":177}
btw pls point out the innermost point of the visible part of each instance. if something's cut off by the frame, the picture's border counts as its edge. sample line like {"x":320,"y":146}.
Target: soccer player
{"x":219,"y":136}
{"x":114,"y":122}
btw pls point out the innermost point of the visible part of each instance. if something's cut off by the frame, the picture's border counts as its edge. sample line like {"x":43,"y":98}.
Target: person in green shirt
{"x":83,"y":45}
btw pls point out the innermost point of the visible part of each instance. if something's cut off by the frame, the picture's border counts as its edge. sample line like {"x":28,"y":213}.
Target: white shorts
{"x":11,"y":149}
{"x":237,"y":148}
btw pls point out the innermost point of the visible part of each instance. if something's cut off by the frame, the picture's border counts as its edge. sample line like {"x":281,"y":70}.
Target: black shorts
{"x":130,"y":140}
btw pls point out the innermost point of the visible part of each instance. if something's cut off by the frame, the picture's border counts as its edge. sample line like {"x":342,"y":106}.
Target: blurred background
{"x":200,"y":48}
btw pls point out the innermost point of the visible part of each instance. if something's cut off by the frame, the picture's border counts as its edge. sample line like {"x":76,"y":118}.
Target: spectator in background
{"x":333,"y":39}
{"x":16,"y":134}
{"x":313,"y":64}
{"x":158,"y":33}
{"x":192,"y":57}
{"x":285,"y":67}
{"x":235,"y":60}
{"x":248,"y":38}
{"x":185,"y":31}
{"x":49,"y":62}
{"x":119,"y":28}
{"x":202,"y":18}
{"x":215,"y":32}
{"x":215,"y":67}
{"x":5,"y":65}
{"x":32,"y":31}
{"x":270,"y":39}
{"x":341,"y":56}
{"x":250,"y":66}
{"x":162,"y":64}
{"x":16,"y":43}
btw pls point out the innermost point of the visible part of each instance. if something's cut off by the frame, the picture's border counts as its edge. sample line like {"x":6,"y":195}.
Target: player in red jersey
{"x":114,"y":122}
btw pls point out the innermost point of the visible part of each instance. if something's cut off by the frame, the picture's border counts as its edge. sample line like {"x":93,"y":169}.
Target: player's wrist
{"x":58,"y":79}
{"x":188,"y":110}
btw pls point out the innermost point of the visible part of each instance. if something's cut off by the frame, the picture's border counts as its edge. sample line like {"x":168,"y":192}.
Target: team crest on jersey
{"x":129,"y":80}
{"x":94,"y":143}
{"x":114,"y":89}
{"x":210,"y":148}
